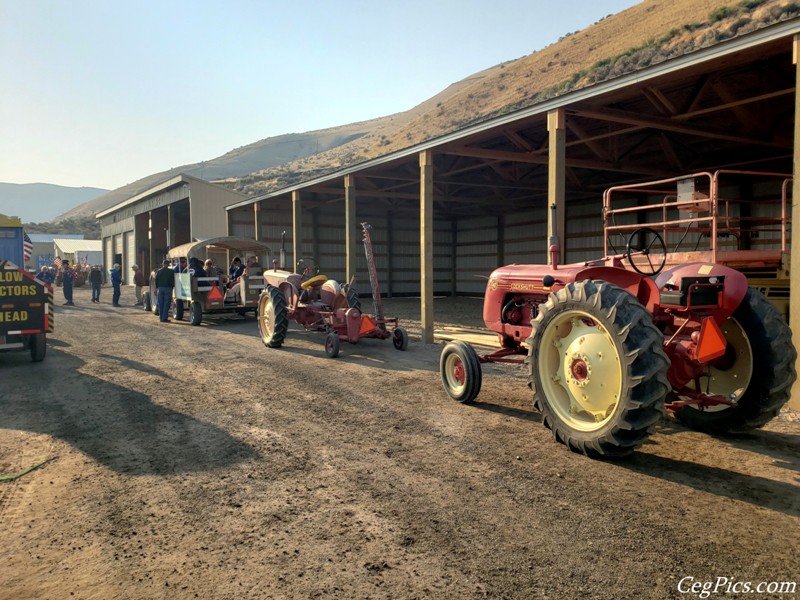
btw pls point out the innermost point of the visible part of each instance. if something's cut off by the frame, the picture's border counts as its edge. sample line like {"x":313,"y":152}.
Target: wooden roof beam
{"x":627,"y":118}
{"x":734,"y":104}
{"x":527,"y":157}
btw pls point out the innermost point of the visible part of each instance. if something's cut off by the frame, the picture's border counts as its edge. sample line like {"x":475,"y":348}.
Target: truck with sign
{"x":26,"y":303}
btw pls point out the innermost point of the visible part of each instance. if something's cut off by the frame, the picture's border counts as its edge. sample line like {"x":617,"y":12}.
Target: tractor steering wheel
{"x":307,"y":267}
{"x":648,"y":246}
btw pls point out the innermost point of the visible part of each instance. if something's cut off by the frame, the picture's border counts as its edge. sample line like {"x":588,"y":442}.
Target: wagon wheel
{"x":646,"y":251}
{"x":195,"y":313}
{"x":757,"y":370}
{"x":273,"y":322}
{"x":597,"y":368}
{"x":177,"y":310}
{"x":460,"y":371}
{"x":153,"y":293}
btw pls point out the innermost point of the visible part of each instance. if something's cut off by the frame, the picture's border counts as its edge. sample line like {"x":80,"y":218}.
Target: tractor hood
{"x":275,"y":277}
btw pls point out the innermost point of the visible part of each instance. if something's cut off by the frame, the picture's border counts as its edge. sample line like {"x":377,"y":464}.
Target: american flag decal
{"x":27,"y":247}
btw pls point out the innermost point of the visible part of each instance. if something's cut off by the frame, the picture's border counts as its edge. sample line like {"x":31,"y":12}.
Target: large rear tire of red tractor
{"x":597,"y":369}
{"x":353,"y":301}
{"x":460,"y":371}
{"x":273,"y":322}
{"x":757,"y":369}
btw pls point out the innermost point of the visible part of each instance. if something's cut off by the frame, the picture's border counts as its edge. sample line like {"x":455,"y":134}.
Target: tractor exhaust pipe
{"x":554,"y":244}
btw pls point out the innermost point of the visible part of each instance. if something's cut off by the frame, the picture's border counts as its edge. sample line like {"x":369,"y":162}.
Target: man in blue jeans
{"x":67,"y":277}
{"x":116,"y":282}
{"x":165,"y":281}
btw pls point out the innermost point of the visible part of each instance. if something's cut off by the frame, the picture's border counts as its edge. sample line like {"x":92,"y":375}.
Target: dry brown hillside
{"x":650,"y":32}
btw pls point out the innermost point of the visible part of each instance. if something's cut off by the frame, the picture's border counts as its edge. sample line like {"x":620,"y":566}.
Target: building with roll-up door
{"x":141,"y":229}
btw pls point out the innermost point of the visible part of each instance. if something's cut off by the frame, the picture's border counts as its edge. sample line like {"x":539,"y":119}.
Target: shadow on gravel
{"x":116,"y":426}
{"x":783,"y":447}
{"x":759,"y":491}
{"x":525,"y":415}
{"x":135,"y":365}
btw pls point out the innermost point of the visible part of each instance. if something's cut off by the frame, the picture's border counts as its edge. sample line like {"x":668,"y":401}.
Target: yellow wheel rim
{"x":732,"y":379}
{"x":266,"y":317}
{"x":580,"y":370}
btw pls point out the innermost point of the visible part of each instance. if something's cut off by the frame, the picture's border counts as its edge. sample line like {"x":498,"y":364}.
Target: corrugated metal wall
{"x":476,"y":253}
{"x":208,"y":216}
{"x":584,"y":229}
{"x":398,"y":267}
{"x":240,"y":222}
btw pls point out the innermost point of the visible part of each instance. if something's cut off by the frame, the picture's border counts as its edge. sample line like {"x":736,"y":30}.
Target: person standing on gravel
{"x":165,"y":281}
{"x":67,"y":277}
{"x":116,"y":282}
{"x":96,"y":280}
{"x":138,"y":282}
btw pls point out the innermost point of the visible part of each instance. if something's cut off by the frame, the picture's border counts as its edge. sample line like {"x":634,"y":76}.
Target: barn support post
{"x":297,"y":226}
{"x":170,"y":227}
{"x":256,"y":221}
{"x":351,"y":231}
{"x":794,"y":273}
{"x":556,"y":182}
{"x":426,"y":244}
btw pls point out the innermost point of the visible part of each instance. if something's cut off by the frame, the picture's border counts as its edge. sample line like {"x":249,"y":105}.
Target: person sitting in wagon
{"x":253,"y":268}
{"x":235,"y":270}
{"x":196,"y":267}
{"x":212,"y":270}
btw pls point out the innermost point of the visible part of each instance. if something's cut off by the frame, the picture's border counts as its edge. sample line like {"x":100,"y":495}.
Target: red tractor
{"x":609,"y":344}
{"x":321,"y":304}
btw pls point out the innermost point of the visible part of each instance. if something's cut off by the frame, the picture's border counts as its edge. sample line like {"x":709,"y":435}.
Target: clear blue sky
{"x":102,"y":92}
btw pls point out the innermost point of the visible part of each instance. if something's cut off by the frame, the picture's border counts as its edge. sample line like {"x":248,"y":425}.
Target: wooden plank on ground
{"x":476,"y":337}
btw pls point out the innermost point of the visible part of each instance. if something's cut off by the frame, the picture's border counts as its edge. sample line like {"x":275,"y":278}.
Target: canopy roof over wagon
{"x":200,"y":248}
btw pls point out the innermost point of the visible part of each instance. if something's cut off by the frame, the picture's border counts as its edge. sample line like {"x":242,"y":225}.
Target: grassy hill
{"x":650,"y":32}
{"x":34,"y":202}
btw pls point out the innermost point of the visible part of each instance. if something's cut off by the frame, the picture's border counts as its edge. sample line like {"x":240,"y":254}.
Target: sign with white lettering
{"x":23,"y":300}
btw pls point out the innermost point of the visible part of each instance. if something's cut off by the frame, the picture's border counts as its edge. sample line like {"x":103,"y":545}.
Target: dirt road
{"x":193,"y":462}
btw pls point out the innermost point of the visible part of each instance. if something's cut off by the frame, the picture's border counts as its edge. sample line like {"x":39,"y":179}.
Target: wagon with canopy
{"x":212,"y":293}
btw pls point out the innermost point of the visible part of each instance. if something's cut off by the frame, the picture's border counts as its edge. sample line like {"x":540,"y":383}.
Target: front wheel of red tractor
{"x":273,"y":322}
{"x":460,"y":370}
{"x":757,"y":370}
{"x":597,"y":369}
